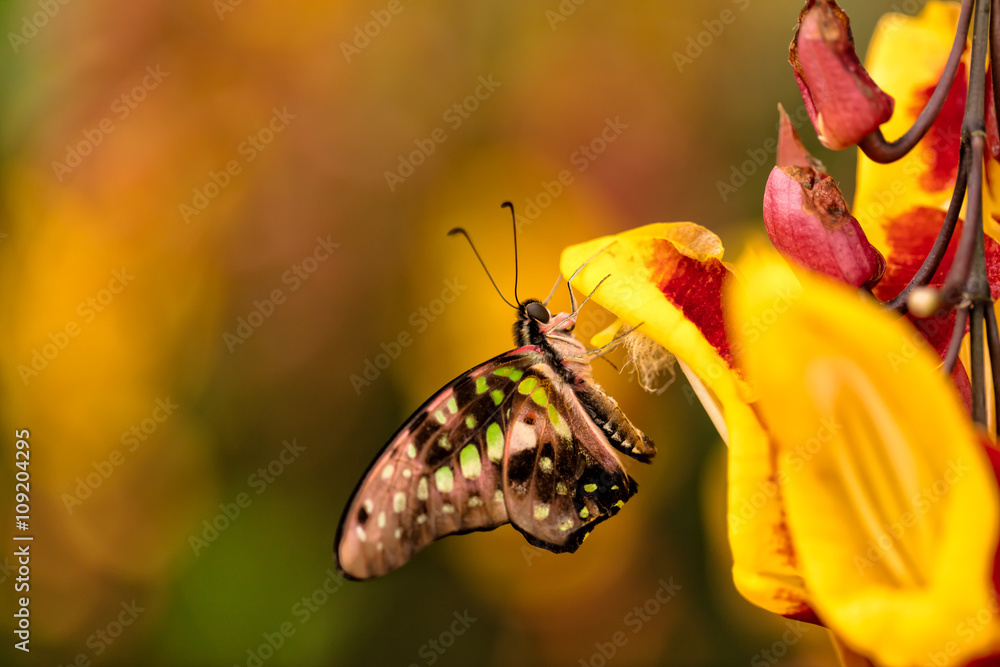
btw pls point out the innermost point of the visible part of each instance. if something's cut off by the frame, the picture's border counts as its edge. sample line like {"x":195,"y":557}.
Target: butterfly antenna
{"x":459,"y":230}
{"x":513,"y":219}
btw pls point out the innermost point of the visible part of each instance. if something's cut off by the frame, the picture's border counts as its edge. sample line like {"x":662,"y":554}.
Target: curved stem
{"x":959,"y":275}
{"x":977,"y":370}
{"x":993,"y":342}
{"x":940,"y":247}
{"x":875,"y":145}
{"x":957,"y":334}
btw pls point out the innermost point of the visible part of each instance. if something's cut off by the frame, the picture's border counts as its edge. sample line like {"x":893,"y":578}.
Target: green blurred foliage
{"x":94,"y":182}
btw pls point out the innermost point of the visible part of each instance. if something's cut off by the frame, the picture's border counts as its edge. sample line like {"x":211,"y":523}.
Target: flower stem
{"x":930,"y":266}
{"x":955,"y":344}
{"x":875,"y":145}
{"x":993,"y":343}
{"x":978,"y":370}
{"x":967,"y":281}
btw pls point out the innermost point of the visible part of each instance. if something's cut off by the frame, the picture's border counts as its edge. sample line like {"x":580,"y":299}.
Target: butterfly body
{"x":527,"y":438}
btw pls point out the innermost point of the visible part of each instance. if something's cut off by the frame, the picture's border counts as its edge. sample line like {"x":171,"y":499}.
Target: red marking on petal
{"x":909,"y":238}
{"x":807,"y":615}
{"x":696,"y":289}
{"x":941,"y":143}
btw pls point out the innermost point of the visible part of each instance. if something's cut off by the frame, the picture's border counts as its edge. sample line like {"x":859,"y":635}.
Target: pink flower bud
{"x":843,"y":102}
{"x":791,"y":152}
{"x":810,"y":224}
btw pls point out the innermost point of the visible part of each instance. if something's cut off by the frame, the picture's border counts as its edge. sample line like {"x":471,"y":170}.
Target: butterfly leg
{"x":604,"y":349}
{"x":569,"y":282}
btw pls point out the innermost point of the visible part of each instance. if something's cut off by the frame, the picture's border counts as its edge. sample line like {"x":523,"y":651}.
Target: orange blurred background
{"x":214,"y":214}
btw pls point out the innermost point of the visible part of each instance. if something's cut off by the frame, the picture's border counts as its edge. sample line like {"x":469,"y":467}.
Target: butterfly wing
{"x":440,"y":474}
{"x":562,"y":476}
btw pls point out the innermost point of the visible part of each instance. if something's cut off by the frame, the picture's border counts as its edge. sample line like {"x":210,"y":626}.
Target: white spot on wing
{"x":522,"y":437}
{"x":399,"y":502}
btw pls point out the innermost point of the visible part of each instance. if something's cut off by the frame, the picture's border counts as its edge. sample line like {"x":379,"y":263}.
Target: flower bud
{"x":810,"y":224}
{"x":843,"y":102}
{"x":791,"y":152}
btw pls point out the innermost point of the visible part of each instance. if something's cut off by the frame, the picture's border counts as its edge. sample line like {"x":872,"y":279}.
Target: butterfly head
{"x":536,"y":323}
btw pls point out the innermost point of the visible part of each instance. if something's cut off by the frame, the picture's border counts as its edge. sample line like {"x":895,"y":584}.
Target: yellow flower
{"x":858,"y":488}
{"x":669,"y":278}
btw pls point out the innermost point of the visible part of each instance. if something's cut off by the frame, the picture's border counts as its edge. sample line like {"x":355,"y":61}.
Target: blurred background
{"x":216,"y":216}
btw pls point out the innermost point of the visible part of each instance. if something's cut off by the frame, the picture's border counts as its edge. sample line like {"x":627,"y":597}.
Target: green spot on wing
{"x":527,"y":386}
{"x":494,"y":442}
{"x":481,"y":385}
{"x":469,"y":461}
{"x":590,"y":488}
{"x":452,"y":405}
{"x":515,"y":375}
{"x":470,"y":422}
{"x":444,"y":480}
{"x":584,"y":513}
{"x":497,"y":396}
{"x":539,"y":396}
{"x":439,"y":416}
{"x":503,"y":371}
{"x":553,"y":415}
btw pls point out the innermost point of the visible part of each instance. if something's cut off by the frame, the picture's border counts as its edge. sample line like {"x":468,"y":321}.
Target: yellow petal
{"x":890,"y":501}
{"x":906,"y":58}
{"x":667,"y":277}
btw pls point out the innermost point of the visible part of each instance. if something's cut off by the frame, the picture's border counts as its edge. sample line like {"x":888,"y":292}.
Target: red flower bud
{"x":810,"y":224}
{"x":791,"y":152}
{"x":843,"y":102}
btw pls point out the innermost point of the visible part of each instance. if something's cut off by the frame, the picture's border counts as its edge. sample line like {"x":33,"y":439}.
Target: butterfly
{"x":527,"y":438}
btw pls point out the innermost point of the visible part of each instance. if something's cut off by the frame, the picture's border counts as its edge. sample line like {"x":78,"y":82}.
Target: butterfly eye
{"x":538,"y":312}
